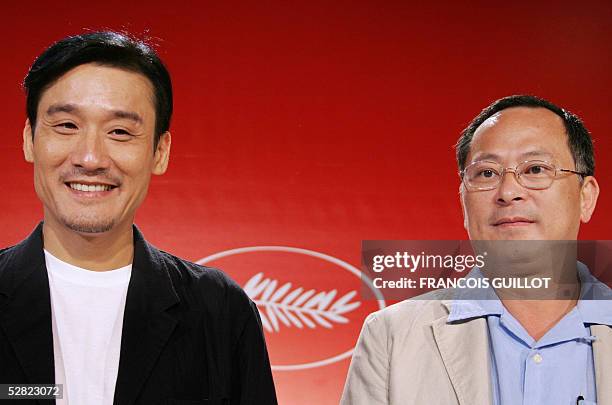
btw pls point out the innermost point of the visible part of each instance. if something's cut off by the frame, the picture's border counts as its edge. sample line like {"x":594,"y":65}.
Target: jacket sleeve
{"x":367,"y":382}
{"x":255,"y":383}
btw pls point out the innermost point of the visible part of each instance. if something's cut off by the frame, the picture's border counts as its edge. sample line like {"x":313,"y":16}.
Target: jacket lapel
{"x":464,"y":347}
{"x":25,"y":309}
{"x":602,"y":354}
{"x":146,"y":324}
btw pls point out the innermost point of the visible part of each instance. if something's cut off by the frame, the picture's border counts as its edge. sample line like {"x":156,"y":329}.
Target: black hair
{"x":578,"y":137}
{"x":106,"y":48}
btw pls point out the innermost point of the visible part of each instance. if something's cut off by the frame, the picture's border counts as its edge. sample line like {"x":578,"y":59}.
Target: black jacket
{"x":190,"y":334}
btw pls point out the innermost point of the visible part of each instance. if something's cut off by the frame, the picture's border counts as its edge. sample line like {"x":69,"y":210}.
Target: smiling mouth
{"x":90,"y":188}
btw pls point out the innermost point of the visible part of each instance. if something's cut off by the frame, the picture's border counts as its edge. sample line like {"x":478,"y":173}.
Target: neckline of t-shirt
{"x":79,"y":275}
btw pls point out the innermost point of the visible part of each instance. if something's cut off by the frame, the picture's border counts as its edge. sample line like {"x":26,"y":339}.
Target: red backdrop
{"x":315,"y":125}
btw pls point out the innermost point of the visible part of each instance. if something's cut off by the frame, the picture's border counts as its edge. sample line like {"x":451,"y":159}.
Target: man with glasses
{"x":526,"y":169}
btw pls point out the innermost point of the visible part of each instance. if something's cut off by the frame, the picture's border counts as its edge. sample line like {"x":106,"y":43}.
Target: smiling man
{"x":526,"y":169}
{"x":85,"y":301}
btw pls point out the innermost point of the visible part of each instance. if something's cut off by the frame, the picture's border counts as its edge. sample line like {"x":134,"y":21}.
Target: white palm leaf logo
{"x":282,"y":305}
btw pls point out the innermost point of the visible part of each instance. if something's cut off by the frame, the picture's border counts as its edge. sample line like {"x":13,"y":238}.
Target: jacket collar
{"x":463,"y":344}
{"x":25,"y":308}
{"x":147,"y":325}
{"x":602,"y":355}
{"x":25,"y":313}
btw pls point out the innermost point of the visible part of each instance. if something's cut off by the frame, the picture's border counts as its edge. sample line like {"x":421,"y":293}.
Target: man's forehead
{"x":96,"y":84}
{"x":522,"y":132}
{"x":522,"y":117}
{"x":101,"y":76}
{"x":533,"y":154}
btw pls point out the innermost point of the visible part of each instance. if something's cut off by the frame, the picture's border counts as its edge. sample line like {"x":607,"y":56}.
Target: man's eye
{"x":487,"y":173}
{"x":119,"y":131}
{"x":66,"y":125}
{"x":536,"y":169}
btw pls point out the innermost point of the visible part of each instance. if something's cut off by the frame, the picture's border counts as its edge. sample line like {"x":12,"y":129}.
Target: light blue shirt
{"x":555,"y":370}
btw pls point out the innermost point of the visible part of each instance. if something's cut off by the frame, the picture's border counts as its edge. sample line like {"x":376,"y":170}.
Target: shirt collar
{"x":462,"y":307}
{"x":594,"y":305}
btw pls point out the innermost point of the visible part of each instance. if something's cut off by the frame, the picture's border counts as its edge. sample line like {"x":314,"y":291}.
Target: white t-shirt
{"x":87,"y":318}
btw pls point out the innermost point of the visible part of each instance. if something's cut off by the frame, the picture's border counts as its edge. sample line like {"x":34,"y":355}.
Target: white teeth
{"x":89,"y":187}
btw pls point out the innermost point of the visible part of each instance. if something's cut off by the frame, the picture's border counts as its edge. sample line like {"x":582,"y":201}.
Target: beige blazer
{"x":408,"y":354}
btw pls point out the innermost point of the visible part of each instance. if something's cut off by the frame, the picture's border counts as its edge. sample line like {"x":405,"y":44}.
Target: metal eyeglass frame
{"x":517,"y":175}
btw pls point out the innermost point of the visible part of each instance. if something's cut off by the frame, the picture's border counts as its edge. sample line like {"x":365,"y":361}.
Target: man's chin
{"x":89,"y":227}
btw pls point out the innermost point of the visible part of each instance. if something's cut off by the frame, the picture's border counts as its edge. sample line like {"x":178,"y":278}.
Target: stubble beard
{"x":83,"y":224}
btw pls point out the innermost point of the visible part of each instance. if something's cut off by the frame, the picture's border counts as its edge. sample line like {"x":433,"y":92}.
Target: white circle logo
{"x":281,"y":305}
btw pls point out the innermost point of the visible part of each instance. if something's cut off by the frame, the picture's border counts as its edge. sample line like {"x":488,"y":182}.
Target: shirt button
{"x":537,"y":358}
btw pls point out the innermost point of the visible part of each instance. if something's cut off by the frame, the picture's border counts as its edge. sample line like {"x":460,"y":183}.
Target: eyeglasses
{"x":532,"y":174}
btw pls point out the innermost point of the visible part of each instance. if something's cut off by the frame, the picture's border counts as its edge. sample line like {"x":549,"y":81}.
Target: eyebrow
{"x":130,"y":115}
{"x":59,"y":108}
{"x":533,"y":153}
{"x":71,"y":108}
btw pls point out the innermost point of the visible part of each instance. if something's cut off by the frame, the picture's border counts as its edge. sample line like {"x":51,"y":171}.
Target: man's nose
{"x":510,"y":189}
{"x":90,"y":151}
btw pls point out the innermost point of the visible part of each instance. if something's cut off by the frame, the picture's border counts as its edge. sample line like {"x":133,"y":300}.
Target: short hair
{"x":106,"y":48}
{"x":578,"y":137}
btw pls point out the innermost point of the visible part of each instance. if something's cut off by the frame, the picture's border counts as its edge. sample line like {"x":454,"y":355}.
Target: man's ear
{"x":588,"y":198}
{"x":162,"y":153}
{"x":461,"y":200}
{"x":28,"y":142}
